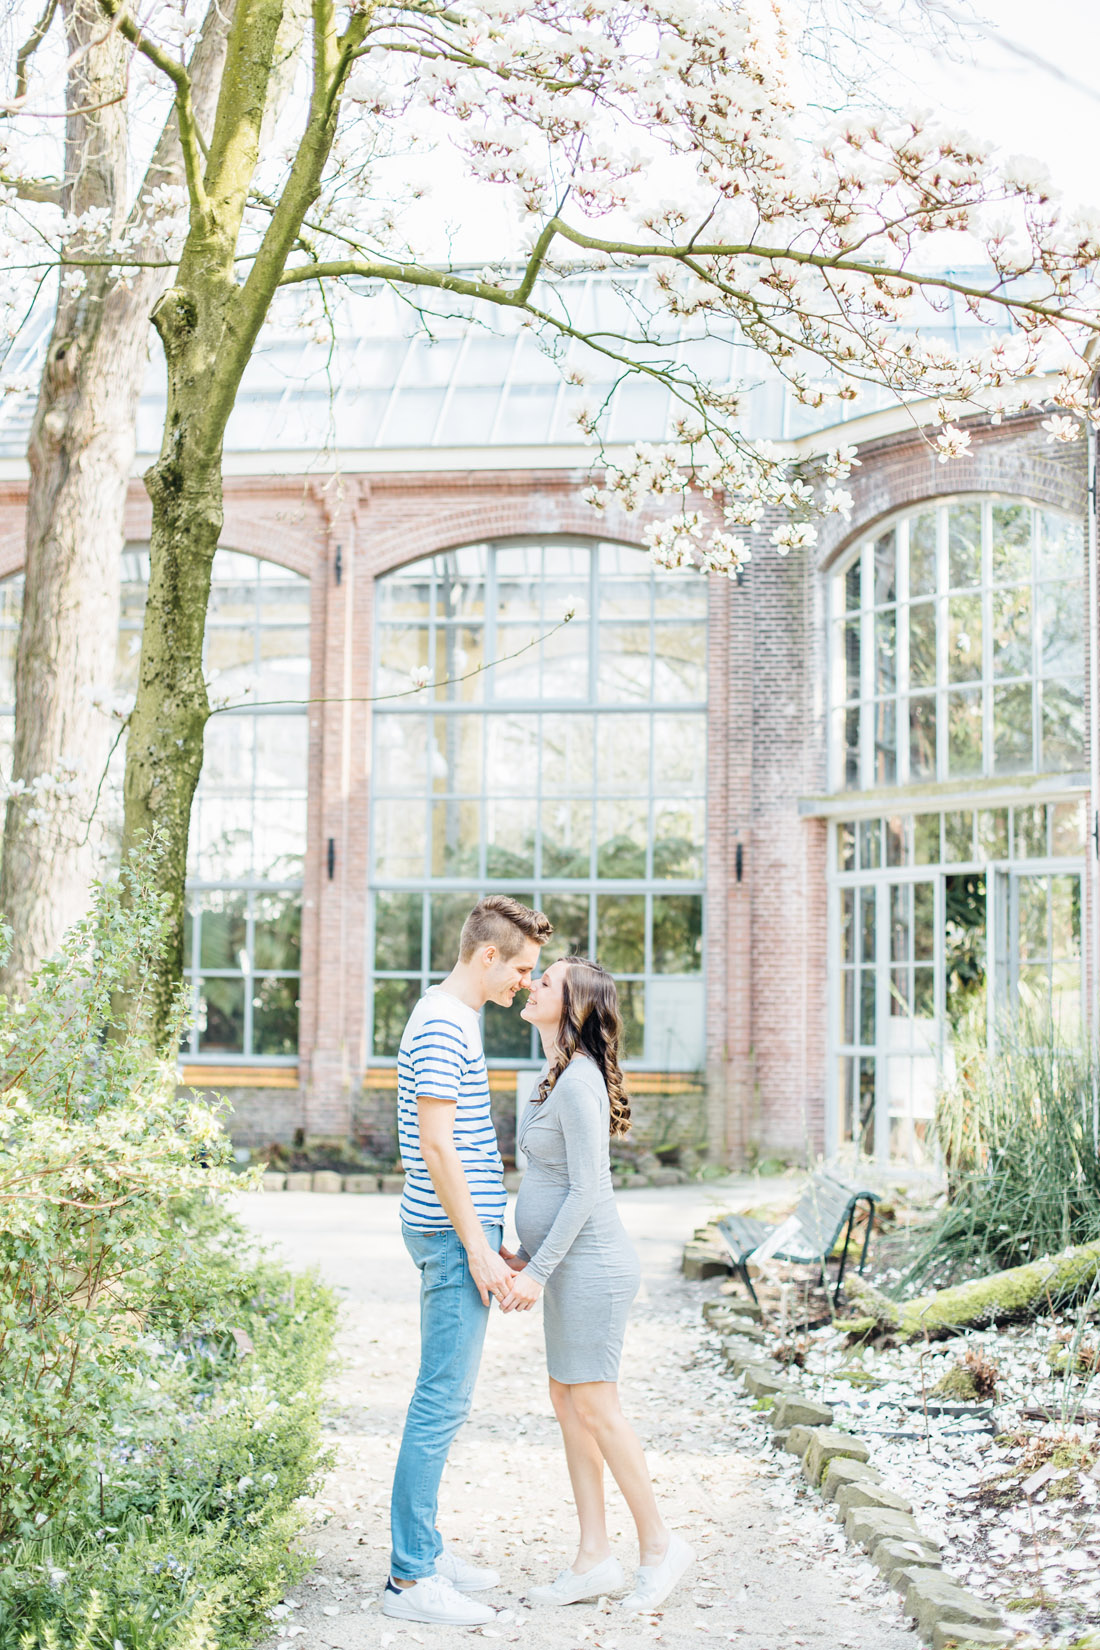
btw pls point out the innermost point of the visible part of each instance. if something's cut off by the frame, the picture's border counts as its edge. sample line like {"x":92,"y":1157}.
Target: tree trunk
{"x":81,"y":453}
{"x":208,"y":324}
{"x":1003,"y":1297}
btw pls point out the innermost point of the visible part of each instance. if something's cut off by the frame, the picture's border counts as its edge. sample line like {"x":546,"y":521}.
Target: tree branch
{"x":185,"y":113}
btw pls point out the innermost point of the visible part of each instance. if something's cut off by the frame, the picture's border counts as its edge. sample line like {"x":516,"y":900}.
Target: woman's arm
{"x":582,"y":1126}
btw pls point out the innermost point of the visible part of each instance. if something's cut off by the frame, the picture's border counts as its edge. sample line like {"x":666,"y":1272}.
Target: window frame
{"x":904,"y":693}
{"x":536,"y":886}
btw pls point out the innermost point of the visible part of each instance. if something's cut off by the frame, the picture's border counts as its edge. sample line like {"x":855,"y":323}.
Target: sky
{"x":1033,"y":87}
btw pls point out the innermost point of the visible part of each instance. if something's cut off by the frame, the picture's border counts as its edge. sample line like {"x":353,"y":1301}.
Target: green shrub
{"x":1019,"y":1135}
{"x":159,"y":1385}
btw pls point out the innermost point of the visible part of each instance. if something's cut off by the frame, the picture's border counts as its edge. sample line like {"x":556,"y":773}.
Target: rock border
{"x":328,"y":1180}
{"x":838,"y":1464}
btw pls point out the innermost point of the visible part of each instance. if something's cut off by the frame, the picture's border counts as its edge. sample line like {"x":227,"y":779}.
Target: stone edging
{"x":837,"y":1464}
{"x":327,"y":1180}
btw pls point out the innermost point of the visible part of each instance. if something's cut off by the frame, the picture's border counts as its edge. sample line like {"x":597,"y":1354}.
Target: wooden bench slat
{"x":823,"y":1210}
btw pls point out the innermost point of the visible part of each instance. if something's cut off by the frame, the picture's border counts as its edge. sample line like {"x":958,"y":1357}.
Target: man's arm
{"x":436,"y":1119}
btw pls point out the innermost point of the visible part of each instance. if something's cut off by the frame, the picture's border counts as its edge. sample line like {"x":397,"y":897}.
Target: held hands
{"x":491,"y":1273}
{"x":522,"y":1293}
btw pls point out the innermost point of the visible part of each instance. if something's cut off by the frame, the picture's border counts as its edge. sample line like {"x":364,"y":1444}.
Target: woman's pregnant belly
{"x":540,"y":1198}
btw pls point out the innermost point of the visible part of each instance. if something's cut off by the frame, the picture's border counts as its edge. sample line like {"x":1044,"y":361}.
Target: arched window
{"x":248,"y":823}
{"x":957,"y":646}
{"x":566,"y":766}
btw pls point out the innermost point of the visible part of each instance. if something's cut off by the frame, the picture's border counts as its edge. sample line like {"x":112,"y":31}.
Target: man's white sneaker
{"x":435,"y":1600}
{"x":654,"y":1582}
{"x":571,"y":1588}
{"x":466,"y":1577}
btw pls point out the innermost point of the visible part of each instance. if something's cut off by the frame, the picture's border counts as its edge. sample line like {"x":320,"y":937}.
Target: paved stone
{"x":826,"y":1444}
{"x":794,"y":1410}
{"x":946,"y":1636}
{"x":843,"y":1471}
{"x":299,"y":1182}
{"x":392,"y":1183}
{"x":273,"y":1181}
{"x":897,"y":1558}
{"x":866,"y":1526}
{"x":745,"y":1327}
{"x":505,"y":1496}
{"x":761,"y":1382}
{"x":361,"y":1183}
{"x":934,"y":1600}
{"x":869,"y":1495}
{"x":741,"y":1355}
{"x":326,"y":1180}
{"x":798,"y":1441}
{"x":702,"y":1261}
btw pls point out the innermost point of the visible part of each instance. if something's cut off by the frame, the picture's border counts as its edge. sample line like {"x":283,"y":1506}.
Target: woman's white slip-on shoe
{"x":466,"y":1577}
{"x":434,"y":1599}
{"x":570,"y":1588}
{"x":654,"y":1582}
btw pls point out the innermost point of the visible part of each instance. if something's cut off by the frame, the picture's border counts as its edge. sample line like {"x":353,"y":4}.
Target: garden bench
{"x":807,"y":1236}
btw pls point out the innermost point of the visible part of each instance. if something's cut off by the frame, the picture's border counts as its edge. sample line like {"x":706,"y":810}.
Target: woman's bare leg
{"x":596,"y":1403}
{"x":585,"y":1462}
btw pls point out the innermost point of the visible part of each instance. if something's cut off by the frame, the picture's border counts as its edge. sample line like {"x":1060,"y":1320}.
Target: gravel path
{"x":773,"y":1571}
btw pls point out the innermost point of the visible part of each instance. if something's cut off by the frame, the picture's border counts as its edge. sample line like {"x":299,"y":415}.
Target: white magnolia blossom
{"x":1059,"y":428}
{"x":662,"y":134}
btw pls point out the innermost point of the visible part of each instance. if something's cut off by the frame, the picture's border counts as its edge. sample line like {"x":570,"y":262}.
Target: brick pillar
{"x":338,"y":816}
{"x":729,"y":779}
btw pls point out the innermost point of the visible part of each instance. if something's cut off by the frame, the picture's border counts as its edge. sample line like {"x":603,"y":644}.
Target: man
{"x":452,"y":1220}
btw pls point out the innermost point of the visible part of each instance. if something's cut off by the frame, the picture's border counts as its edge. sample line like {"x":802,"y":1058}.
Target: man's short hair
{"x":503,"y":922}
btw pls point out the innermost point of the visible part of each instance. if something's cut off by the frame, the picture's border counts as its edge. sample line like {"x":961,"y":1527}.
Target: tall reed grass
{"x":1019,"y":1135}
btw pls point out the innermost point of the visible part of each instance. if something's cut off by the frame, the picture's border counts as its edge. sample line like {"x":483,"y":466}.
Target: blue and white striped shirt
{"x":441,"y":1056}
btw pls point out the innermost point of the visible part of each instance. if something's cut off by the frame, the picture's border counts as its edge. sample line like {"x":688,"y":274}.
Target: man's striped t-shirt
{"x":441,"y":1056}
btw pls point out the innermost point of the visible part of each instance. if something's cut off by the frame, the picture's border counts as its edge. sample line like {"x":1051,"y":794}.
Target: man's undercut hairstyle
{"x":503,"y":922}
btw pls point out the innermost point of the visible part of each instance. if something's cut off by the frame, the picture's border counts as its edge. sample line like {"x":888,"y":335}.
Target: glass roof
{"x":372,"y":377}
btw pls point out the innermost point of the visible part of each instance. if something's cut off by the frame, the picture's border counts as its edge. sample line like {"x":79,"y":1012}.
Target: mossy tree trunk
{"x":1003,"y":1297}
{"x":208,"y":322}
{"x":80,"y":455}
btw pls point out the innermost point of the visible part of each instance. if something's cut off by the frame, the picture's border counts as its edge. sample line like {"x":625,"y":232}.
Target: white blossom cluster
{"x":655,"y":133}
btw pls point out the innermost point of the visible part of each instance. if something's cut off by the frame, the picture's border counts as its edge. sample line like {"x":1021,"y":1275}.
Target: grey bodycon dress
{"x":570,"y":1230}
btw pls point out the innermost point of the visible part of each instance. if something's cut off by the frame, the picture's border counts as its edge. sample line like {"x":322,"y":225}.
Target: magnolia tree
{"x":669,"y":134}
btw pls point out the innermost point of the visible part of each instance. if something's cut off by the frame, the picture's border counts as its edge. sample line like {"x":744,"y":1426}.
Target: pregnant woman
{"x":574,"y":1246}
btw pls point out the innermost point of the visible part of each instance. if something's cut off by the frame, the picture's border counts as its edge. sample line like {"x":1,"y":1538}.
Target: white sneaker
{"x":467,"y":1578}
{"x":571,"y":1588}
{"x":654,"y":1582}
{"x":434,"y":1599}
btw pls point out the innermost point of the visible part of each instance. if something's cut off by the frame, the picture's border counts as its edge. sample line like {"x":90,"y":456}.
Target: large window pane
{"x":277,"y":931}
{"x":1012,"y":741}
{"x":455,"y":757}
{"x":621,"y":832}
{"x":510,"y":838}
{"x":922,"y":644}
{"x":922,"y":554}
{"x":221,"y":1016}
{"x":678,"y":829}
{"x":275,"y":1017}
{"x":1011,"y":537}
{"x":620,"y":932}
{"x":566,"y":838}
{"x":569,"y":915}
{"x":398,"y":931}
{"x":567,"y":754}
{"x":399,"y":839}
{"x":964,"y":733}
{"x":394,"y":1001}
{"x":456,"y":838}
{"x":964,"y":638}
{"x":677,"y":933}
{"x":446,"y":914}
{"x":1063,"y":727}
{"x":222,"y":929}
{"x":964,"y":545}
{"x":1012,"y":631}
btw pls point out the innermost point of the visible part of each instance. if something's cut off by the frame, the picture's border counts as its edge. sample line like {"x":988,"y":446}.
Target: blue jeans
{"x":452,"y":1333}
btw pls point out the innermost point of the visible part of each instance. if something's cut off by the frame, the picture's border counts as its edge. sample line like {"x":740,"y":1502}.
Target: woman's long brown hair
{"x":591,"y":1024}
